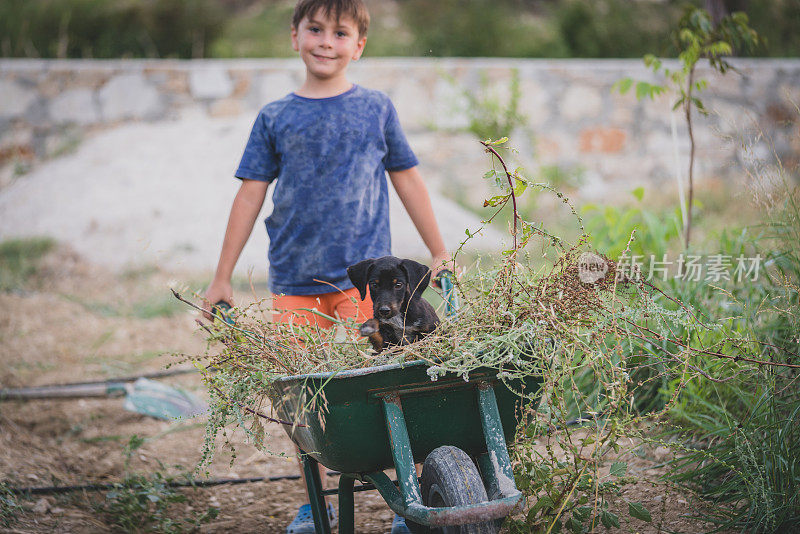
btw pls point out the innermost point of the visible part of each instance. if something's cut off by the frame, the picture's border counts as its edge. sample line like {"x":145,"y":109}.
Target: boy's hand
{"x":217,"y":291}
{"x":440,"y":263}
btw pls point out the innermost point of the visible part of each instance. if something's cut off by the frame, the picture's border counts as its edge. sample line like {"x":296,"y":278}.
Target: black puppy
{"x":400,"y":314}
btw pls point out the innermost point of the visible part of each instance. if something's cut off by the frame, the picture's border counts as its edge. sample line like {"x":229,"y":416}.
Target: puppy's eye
{"x":398,"y":285}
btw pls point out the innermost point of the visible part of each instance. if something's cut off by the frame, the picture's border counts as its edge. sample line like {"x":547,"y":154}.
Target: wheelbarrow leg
{"x":346,"y":505}
{"x":314,"y":484}
{"x":495,"y":464}
{"x":401,"y":450}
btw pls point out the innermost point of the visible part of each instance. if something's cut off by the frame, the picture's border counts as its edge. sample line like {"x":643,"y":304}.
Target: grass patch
{"x":20,"y":259}
{"x":102,"y":339}
{"x":10,"y":509}
{"x":23,"y":365}
{"x":102,"y":439}
{"x":748,"y":462}
{"x":151,"y":307}
{"x":126,"y":359}
{"x":139,"y":272}
{"x":146,"y":501}
{"x":95,"y":308}
{"x":161,"y":305}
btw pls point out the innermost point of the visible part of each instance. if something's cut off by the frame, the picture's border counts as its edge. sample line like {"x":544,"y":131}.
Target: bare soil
{"x":76,"y":322}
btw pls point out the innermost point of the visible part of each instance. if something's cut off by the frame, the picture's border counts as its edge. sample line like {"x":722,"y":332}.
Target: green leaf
{"x":582,"y":512}
{"x":636,"y":359}
{"x":652,"y":61}
{"x":642,"y":90}
{"x":639,"y":512}
{"x":495,"y":201}
{"x":520,"y":187}
{"x":544,"y":502}
{"x":638,"y":193}
{"x":623,"y":85}
{"x":722,"y":48}
{"x":490,"y":174}
{"x":498,"y":142}
{"x":697,"y":102}
{"x":609,"y":519}
{"x":574,"y":525}
{"x":618,"y":468}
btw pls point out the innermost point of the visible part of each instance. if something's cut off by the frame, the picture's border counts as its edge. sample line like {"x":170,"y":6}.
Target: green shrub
{"x":260,"y":33}
{"x":493,"y":116}
{"x":777,"y":22}
{"x":479,"y":28}
{"x":142,"y":502}
{"x":611,"y":227}
{"x":109,"y":28}
{"x":613,"y":28}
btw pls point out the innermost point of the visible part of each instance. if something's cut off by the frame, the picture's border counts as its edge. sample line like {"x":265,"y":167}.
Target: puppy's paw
{"x":368,"y":328}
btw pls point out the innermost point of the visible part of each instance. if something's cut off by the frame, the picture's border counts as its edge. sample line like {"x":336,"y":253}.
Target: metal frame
{"x":405,"y":499}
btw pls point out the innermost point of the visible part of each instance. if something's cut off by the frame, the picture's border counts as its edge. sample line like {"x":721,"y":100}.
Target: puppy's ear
{"x":419,"y":276}
{"x":359,"y":275}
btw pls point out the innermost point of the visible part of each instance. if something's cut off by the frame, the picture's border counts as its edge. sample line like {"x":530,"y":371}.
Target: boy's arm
{"x":414,"y":195}
{"x":246,"y":207}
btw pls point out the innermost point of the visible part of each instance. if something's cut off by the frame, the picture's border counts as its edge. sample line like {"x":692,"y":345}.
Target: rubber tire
{"x":450,"y":478}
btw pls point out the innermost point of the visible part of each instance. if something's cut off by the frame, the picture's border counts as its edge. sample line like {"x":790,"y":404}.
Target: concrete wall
{"x":573,"y":119}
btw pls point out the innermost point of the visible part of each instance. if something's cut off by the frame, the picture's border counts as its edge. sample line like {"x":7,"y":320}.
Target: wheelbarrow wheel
{"x":450,"y":478}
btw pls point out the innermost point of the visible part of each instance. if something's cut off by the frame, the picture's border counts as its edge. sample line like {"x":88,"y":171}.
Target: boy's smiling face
{"x":327,"y":45}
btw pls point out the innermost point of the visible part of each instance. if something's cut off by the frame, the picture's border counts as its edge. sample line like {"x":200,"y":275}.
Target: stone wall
{"x":574,"y":121}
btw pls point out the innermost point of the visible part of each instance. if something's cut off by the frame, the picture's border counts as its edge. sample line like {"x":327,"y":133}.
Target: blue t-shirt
{"x":328,"y":158}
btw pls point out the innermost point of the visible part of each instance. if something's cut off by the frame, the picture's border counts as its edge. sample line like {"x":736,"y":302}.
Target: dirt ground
{"x":78,"y":322}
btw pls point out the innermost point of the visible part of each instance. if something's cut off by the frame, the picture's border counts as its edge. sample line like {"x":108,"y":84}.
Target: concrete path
{"x":161,"y":193}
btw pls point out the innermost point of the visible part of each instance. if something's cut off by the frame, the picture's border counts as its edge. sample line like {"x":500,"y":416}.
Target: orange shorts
{"x":289,"y":308}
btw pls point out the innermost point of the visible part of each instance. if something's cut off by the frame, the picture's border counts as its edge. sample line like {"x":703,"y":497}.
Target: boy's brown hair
{"x":354,"y":9}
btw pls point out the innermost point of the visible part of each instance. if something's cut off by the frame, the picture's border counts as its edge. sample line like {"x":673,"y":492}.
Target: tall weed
{"x":744,"y":420}
{"x":747,"y":457}
{"x":144,"y":502}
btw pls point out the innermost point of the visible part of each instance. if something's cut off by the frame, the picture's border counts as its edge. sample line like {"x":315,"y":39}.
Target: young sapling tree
{"x":696,"y":38}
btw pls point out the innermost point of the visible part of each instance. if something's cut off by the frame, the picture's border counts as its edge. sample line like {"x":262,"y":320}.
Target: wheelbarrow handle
{"x":445,"y":280}
{"x":222,"y":310}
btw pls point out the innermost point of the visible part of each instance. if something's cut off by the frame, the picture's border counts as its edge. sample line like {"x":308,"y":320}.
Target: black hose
{"x":51,"y":490}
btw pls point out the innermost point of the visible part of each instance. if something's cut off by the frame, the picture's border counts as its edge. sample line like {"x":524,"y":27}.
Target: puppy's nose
{"x":384,"y":311}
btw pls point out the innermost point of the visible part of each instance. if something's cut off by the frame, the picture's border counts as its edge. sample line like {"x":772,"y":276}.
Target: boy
{"x":327,"y":147}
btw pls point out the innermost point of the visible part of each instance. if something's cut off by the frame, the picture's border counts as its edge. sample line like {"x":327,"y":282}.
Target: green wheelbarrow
{"x":361,"y":422}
